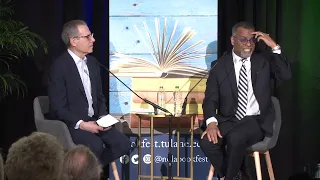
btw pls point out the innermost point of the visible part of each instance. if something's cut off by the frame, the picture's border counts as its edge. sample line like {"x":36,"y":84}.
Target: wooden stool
{"x":115,"y":171}
{"x":256,"y":156}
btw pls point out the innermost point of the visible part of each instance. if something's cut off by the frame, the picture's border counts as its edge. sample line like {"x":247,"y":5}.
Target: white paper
{"x":107,"y":120}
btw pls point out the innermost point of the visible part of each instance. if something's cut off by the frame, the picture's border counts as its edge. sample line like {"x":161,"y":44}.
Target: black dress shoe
{"x":246,"y":174}
{"x":105,"y":172}
{"x":238,"y":176}
{"x":104,"y":178}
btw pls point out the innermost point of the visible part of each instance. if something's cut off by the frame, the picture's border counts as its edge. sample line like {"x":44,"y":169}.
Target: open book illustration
{"x":168,"y":55}
{"x":107,"y":120}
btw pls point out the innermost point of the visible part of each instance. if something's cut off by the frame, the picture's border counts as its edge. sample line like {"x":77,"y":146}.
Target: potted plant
{"x":16,"y":42}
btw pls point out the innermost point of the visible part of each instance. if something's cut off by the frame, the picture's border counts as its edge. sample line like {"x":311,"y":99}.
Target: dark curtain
{"x":295,"y":26}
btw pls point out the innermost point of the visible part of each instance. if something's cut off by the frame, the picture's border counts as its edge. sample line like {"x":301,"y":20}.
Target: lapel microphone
{"x":184,"y":105}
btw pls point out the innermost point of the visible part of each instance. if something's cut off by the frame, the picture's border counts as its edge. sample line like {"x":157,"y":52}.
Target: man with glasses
{"x":237,"y":107}
{"x":76,"y":98}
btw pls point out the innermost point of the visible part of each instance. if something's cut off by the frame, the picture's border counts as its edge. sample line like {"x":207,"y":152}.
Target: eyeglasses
{"x":244,"y":40}
{"x":87,"y":36}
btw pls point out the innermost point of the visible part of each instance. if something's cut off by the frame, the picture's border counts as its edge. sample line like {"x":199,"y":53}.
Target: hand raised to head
{"x":265,"y":37}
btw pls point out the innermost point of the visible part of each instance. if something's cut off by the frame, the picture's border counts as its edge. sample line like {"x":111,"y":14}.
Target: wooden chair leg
{"x":115,"y":171}
{"x":269,"y":165}
{"x":258,"y":165}
{"x":211,"y":172}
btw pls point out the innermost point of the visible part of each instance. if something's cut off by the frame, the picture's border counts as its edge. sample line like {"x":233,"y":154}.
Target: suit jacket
{"x":221,"y":94}
{"x":67,"y":97}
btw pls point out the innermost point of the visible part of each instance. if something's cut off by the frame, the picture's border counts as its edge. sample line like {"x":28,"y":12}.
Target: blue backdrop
{"x":128,"y":164}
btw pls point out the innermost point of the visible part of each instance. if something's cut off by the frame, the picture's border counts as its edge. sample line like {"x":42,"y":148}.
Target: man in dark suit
{"x":237,"y":106}
{"x":76,"y":97}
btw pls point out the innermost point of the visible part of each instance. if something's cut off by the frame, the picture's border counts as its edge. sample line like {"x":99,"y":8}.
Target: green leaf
{"x":11,"y":83}
{"x":16,"y":41}
{"x":5,"y":8}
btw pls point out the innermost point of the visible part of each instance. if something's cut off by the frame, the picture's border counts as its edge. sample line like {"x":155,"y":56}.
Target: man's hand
{"x":266,"y":38}
{"x":90,"y":126}
{"x":212,"y":133}
{"x":106,"y":128}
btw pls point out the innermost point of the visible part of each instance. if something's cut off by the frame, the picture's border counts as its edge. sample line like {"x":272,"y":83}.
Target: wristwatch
{"x":276,"y":48}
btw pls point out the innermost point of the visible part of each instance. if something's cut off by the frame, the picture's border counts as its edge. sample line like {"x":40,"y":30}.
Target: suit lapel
{"x":254,"y":68}
{"x":75,"y":74}
{"x":229,"y":67}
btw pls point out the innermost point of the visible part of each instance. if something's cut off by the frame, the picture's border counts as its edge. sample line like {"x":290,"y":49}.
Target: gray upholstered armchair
{"x":56,"y":128}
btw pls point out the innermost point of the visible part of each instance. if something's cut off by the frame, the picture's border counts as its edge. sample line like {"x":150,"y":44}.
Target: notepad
{"x":107,"y":120}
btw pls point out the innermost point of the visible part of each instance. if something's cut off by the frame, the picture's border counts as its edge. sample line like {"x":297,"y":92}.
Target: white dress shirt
{"x":252,"y":105}
{"x":85,"y":78}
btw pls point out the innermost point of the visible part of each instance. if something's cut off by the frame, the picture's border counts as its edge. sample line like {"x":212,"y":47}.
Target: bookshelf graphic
{"x":153,"y":51}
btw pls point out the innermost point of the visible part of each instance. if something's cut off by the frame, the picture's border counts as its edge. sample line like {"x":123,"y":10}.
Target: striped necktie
{"x":242,"y":91}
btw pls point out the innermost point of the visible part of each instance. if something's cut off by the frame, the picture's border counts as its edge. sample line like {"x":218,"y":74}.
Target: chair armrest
{"x":58,"y":129}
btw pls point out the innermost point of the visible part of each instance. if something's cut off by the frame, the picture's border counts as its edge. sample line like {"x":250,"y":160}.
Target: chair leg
{"x":269,"y":165}
{"x":115,"y":171}
{"x":211,"y":172}
{"x":258,"y":165}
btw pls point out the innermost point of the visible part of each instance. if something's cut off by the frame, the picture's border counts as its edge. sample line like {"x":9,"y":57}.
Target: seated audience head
{"x":80,"y":164}
{"x":1,"y":168}
{"x":35,"y":157}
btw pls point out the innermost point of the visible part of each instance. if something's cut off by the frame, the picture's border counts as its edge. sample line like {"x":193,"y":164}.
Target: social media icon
{"x":135,"y":159}
{"x":124,"y":159}
{"x":147,"y":158}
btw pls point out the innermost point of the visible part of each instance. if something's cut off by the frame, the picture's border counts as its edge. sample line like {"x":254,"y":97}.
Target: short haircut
{"x":80,"y":164}
{"x":243,"y":24}
{"x":1,"y":168}
{"x":70,"y":30}
{"x":35,"y":157}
